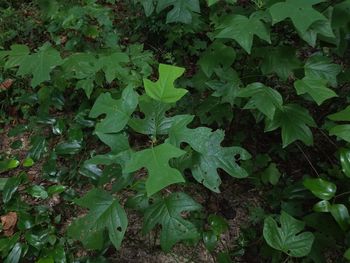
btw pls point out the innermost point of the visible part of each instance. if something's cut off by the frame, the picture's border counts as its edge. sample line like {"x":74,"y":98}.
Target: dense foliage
{"x":112,"y":109}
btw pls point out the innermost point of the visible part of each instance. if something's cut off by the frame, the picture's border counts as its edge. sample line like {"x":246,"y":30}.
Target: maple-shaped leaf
{"x":263,"y":98}
{"x":343,"y":115}
{"x":319,"y":67}
{"x":316,"y":88}
{"x":155,"y":121}
{"x":216,"y":55}
{"x":294,"y":121}
{"x":40,"y":64}
{"x":321,"y":27}
{"x":105,"y":213}
{"x":182,"y":10}
{"x":110,"y":64}
{"x":209,"y":155}
{"x":168,"y":212}
{"x":117,"y":112}
{"x":156,"y":160}
{"x":301,"y":12}
{"x":288,"y":237}
{"x":163,"y":90}
{"x":281,"y":60}
{"x":80,"y":65}
{"x":15,"y":56}
{"x":242,"y":29}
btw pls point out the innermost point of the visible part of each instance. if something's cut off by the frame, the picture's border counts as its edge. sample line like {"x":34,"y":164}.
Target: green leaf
{"x":271,"y":174}
{"x":156,"y":160}
{"x":321,"y":188}
{"x":215,"y":56}
{"x":281,"y":60}
{"x":347,"y":254}
{"x":163,"y":90}
{"x":341,"y":131}
{"x":38,"y":191}
{"x":68,"y":148}
{"x":7,"y":165}
{"x":3,"y":183}
{"x":316,"y":88}
{"x":10,"y":188}
{"x":28,"y":162}
{"x":217,"y":224}
{"x":168,"y":213}
{"x":288,"y":238}
{"x":105,"y":213}
{"x":322,"y":206}
{"x":345,"y":161}
{"x":40,"y":64}
{"x":155,"y":121}
{"x":15,"y":255}
{"x":242,"y":29}
{"x":343,"y":115}
{"x":210,"y":240}
{"x":263,"y":98}
{"x":209,"y":155}
{"x":111,"y":64}
{"x":80,"y":65}
{"x":38,"y":147}
{"x":294,"y":122}
{"x":341,"y":215}
{"x":301,"y":12}
{"x":16,"y":55}
{"x":117,"y":111}
{"x":87,"y":85}
{"x":182,"y":10}
{"x":319,"y":67}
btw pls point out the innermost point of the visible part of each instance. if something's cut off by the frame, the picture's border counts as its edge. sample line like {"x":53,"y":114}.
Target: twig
{"x":308,"y":159}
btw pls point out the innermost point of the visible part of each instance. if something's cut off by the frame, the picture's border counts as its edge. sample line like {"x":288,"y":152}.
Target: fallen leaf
{"x":6,"y":84}
{"x":8,"y":222}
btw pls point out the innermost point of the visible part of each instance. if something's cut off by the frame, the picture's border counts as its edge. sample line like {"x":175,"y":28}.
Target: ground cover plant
{"x":174,"y":131}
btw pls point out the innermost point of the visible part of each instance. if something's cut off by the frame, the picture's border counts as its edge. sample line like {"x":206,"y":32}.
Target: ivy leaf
{"x":163,"y":90}
{"x":117,"y":111}
{"x":105,"y":214}
{"x":242,"y":29}
{"x":216,"y":55}
{"x":288,"y":238}
{"x":343,"y":115}
{"x":263,"y":98}
{"x":301,"y":12}
{"x":168,"y":213}
{"x":40,"y":64}
{"x":294,"y":121}
{"x":182,"y":10}
{"x":320,"y":188}
{"x":321,"y":27}
{"x":156,"y":160}
{"x":280,"y":60}
{"x":155,"y":121}
{"x":319,"y":67}
{"x":80,"y":65}
{"x":341,"y":131}
{"x":316,"y":88}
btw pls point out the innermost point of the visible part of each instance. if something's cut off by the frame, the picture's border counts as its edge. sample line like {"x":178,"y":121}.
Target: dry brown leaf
{"x":8,"y":222}
{"x":6,"y":84}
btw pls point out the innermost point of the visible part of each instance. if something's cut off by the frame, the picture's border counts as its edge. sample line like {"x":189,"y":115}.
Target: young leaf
{"x":263,"y":98}
{"x":156,"y":160}
{"x":301,"y":12}
{"x":117,"y":111}
{"x":319,"y":67}
{"x":341,"y":214}
{"x":316,"y":88}
{"x":288,"y":238}
{"x":168,"y":213}
{"x":321,"y":188}
{"x":294,"y":122}
{"x":105,"y":214}
{"x":40,"y":64}
{"x":242,"y":29}
{"x":182,"y":10}
{"x":163,"y":90}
